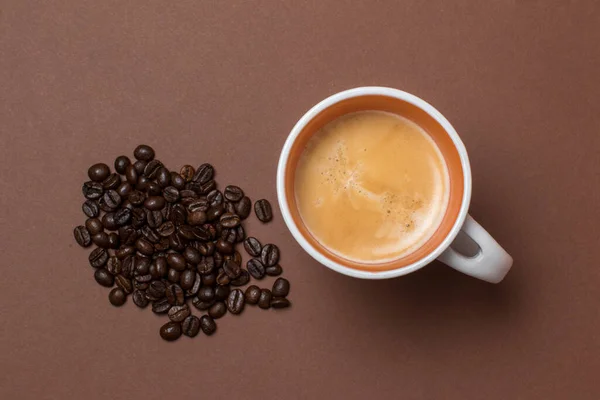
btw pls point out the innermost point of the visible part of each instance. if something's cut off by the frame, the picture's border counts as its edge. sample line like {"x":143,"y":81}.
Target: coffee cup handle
{"x":490,"y":264}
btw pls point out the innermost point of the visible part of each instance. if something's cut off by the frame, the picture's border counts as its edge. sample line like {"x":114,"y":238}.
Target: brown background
{"x":224,"y":82}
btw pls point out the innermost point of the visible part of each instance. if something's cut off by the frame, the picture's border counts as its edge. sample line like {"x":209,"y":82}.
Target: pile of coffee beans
{"x":169,"y":240}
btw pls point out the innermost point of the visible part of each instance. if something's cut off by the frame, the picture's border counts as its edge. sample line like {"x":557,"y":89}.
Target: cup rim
{"x":365,"y":91}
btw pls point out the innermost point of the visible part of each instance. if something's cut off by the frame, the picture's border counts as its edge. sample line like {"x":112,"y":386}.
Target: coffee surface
{"x":372,"y":186}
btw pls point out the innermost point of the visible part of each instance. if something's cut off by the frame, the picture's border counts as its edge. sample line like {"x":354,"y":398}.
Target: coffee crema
{"x":372,"y":186}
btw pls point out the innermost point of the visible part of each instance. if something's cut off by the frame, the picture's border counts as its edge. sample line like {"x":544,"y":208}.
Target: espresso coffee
{"x":372,"y":186}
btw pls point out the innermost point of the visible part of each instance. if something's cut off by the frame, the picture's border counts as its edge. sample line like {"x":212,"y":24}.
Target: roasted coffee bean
{"x":128,"y":234}
{"x":233,"y":193}
{"x":215,"y":198}
{"x":196,"y":218}
{"x":90,"y":208}
{"x":154,"y":203}
{"x":131,"y":174}
{"x":158,"y":268}
{"x":122,"y":216}
{"x":201,"y":305}
{"x":206,"y":248}
{"x":113,"y":240}
{"x":256,"y":268}
{"x":222,"y":292}
{"x":229,"y":235}
{"x":242,"y":279}
{"x":142,"y":265}
{"x":252,"y":246}
{"x":176,"y":261}
{"x":144,"y":246}
{"x":128,"y":267}
{"x":98,"y":257}
{"x":196,"y":284}
{"x":192,"y":255}
{"x":218,"y":258}
{"x":252,"y":294}
{"x":124,"y":252}
{"x":111,"y":199}
{"x":200,"y":204}
{"x":281,"y":287}
{"x":103,"y":206}
{"x":187,"y":172}
{"x":166,"y":229}
{"x":117,"y":297}
{"x":224,"y":247}
{"x":264,"y":300}
{"x":161,"y":306}
{"x":156,"y":290}
{"x":98,"y":172}
{"x":173,"y":275}
{"x":103,"y":277}
{"x":139,"y":299}
{"x":171,"y":331}
{"x":235,"y":301}
{"x":124,"y":189}
{"x":143,"y":278}
{"x":223,"y":279}
{"x":212,"y":231}
{"x":208,"y":325}
{"x":111,"y":182}
{"x":229,"y":221}
{"x":175,"y":295}
{"x":235,"y":257}
{"x":140,"y":285}
{"x":179,"y":313}
{"x":153,"y":189}
{"x":185,"y":193}
{"x":207,"y":187}
{"x":269,"y":255}
{"x":209,"y":279}
{"x":154,"y":218}
{"x":243,"y":207}
{"x":186,"y":281}
{"x":121,"y":164}
{"x":206,"y":293}
{"x":204,"y":173}
{"x":108,"y":221}
{"x":230,"y":207}
{"x":187,"y":232}
{"x":217,"y":310}
{"x":170,"y":194}
{"x":232,"y":269}
{"x":151,"y":169}
{"x":177,"y":180}
{"x":240,"y":234}
{"x":101,"y":240}
{"x":191,"y":326}
{"x":142,"y":183}
{"x":82,"y":236}
{"x":113,"y":265}
{"x":139,"y":166}
{"x":92,"y":190}
{"x":163,"y":177}
{"x":263,"y":211}
{"x":136,"y":197}
{"x":178,"y":214}
{"x":177,"y":242}
{"x":143,"y":152}
{"x":124,"y":283}
{"x":94,"y":226}
{"x":280,"y":302}
{"x":215,"y":212}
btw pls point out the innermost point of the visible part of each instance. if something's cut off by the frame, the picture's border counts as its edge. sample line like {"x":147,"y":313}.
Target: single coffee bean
{"x":204,"y":188}
{"x":153,"y":189}
{"x":122,"y":216}
{"x":101,"y":240}
{"x":111,"y":199}
{"x":235,"y":301}
{"x":103,"y":277}
{"x":280,"y":302}
{"x":224,"y":247}
{"x":243,"y":207}
{"x":98,"y":172}
{"x":166,"y":229}
{"x":215,"y":212}
{"x":136,"y":197}
{"x":163,"y":177}
{"x":178,"y":214}
{"x":139,"y":166}
{"x":186,"y":231}
{"x":142,"y":265}
{"x":230,"y":207}
{"x":240,"y":234}
{"x":229,"y":221}
{"x":151,"y":169}
{"x":108,"y":221}
{"x":206,"y":248}
{"x":281,"y":287}
{"x":204,"y":173}
{"x":191,"y":326}
{"x":223,"y":279}
{"x":274,"y":270}
{"x":179,"y":313}
{"x":217,"y":310}
{"x":128,"y":267}
{"x":264,"y":300}
{"x":236,"y":257}
{"x":201,"y":305}
{"x":154,"y":203}
{"x":111,"y":182}
{"x":252,"y":246}
{"x":143,"y":183}
{"x":232,"y":269}
{"x":156,"y":290}
{"x":90,"y":208}
{"x":92,"y":190}
{"x":176,"y":261}
{"x":171,"y":331}
{"x":82,"y":236}
{"x":173,"y":275}
{"x":170,"y":194}
{"x":158,"y":268}
{"x":94,"y":226}
{"x":200,"y":204}
{"x":229,"y":235}
{"x":124,"y":252}
{"x":196,"y":218}
{"x":192,"y":255}
{"x":218,"y":259}
{"x":161,"y":306}
{"x":144,"y":246}
{"x":186,"y":281}
{"x":263,"y":211}
{"x":256,"y":268}
{"x":113,"y":240}
{"x":131,"y":175}
{"x":175,"y":295}
{"x":222,"y":292}
{"x":124,"y":283}
{"x":103,"y":206}
{"x":252,"y":294}
{"x":187,"y":173}
{"x":177,"y":242}
{"x":208,"y":325}
{"x":143,"y":152}
{"x":128,"y":234}
{"x":139,"y":299}
{"x":242,"y":279}
{"x":177,"y":180}
{"x":98,"y":257}
{"x":206,"y":293}
{"x":154,"y":218}
{"x":269,"y":255}
{"x":138,"y":217}
{"x":113,"y":265}
{"x":215,"y":198}
{"x":209,"y":279}
{"x":121,"y":164}
{"x":193,"y":291}
{"x":233,"y":193}
{"x":117,"y":297}
{"x":124,"y":189}
{"x":211,"y":230}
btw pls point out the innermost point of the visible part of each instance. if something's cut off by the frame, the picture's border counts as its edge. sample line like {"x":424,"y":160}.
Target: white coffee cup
{"x":490,"y":264}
